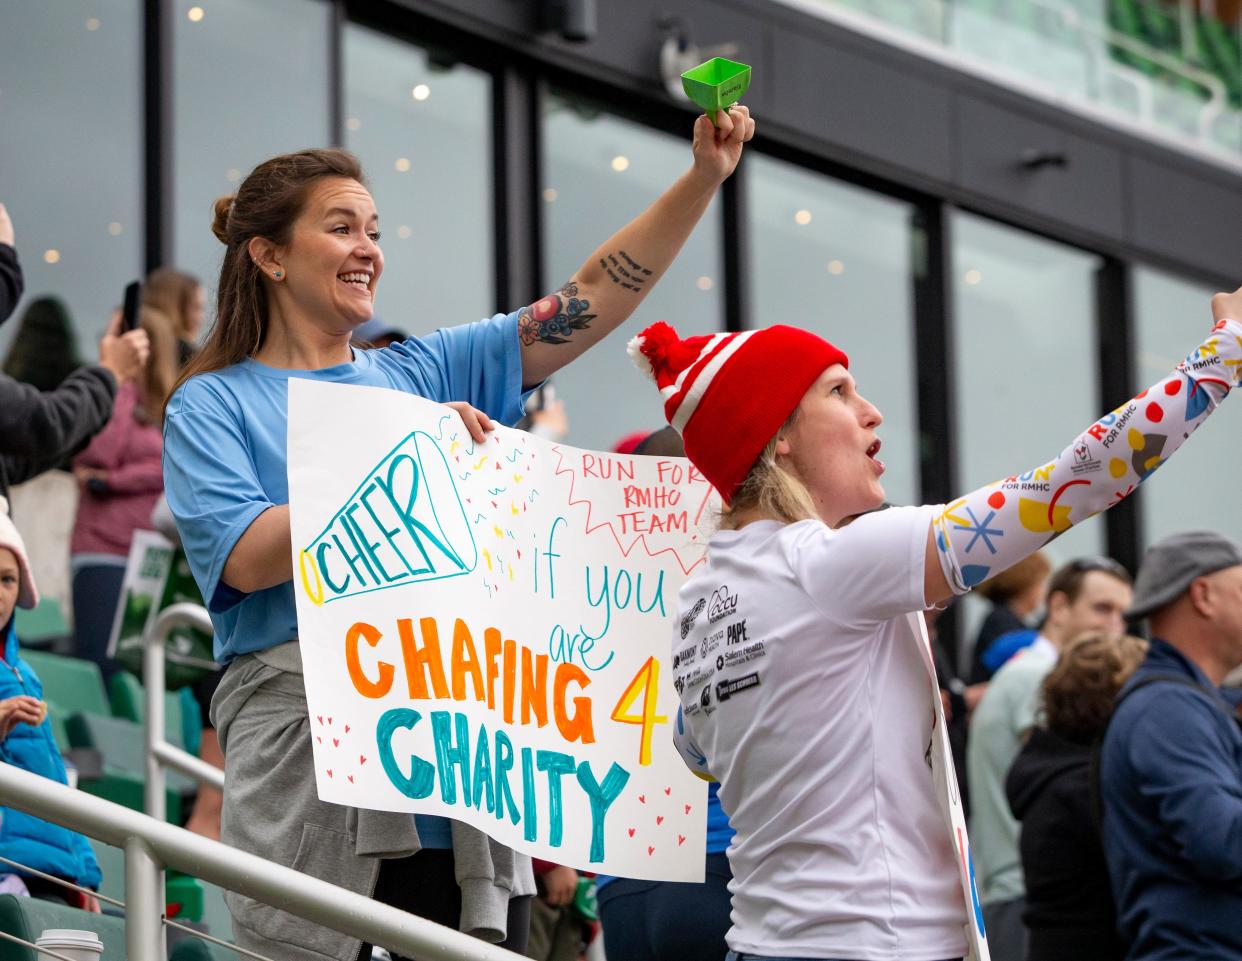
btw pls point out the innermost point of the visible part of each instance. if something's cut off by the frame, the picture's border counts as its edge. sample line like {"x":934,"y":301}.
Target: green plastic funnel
{"x":716,"y":85}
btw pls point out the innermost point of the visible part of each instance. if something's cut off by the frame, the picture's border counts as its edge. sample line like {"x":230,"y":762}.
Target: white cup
{"x":74,"y":944}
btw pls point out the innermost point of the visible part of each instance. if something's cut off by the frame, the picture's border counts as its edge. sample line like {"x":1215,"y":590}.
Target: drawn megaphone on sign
{"x":716,"y":85}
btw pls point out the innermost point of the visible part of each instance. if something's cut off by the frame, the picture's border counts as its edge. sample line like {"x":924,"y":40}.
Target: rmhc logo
{"x":404,"y":524}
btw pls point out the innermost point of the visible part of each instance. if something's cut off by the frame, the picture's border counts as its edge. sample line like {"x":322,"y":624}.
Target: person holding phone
{"x":40,"y":429}
{"x":301,"y":264}
{"x":121,"y":476}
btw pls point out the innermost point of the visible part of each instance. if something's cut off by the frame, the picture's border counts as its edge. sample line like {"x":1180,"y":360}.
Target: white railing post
{"x":154,"y":844}
{"x":153,"y":718}
{"x":144,"y":903}
{"x":161,"y":754}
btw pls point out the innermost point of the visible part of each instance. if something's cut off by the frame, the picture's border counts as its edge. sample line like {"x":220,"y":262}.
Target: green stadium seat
{"x":70,"y":680}
{"x":183,"y":725}
{"x":42,"y":626}
{"x":191,"y":948}
{"x":27,"y":918}
{"x":123,"y":747}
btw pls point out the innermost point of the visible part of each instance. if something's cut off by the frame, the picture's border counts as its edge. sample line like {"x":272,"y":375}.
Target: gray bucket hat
{"x":1171,"y":564}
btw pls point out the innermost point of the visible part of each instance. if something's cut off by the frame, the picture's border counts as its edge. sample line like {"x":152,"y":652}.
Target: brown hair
{"x":1079,"y":692}
{"x":1016,"y":580}
{"x":1069,"y":578}
{"x":173,"y":292}
{"x":156,"y":378}
{"x":267,"y":205}
{"x":770,"y":489}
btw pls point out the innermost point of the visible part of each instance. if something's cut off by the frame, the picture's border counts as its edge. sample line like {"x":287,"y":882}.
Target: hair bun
{"x":220,"y":222}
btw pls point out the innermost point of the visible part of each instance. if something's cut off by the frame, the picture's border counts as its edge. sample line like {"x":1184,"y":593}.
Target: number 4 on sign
{"x":646,"y":684}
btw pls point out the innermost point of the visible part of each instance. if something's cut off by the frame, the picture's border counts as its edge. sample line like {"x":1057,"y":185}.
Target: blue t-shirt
{"x":225,"y":436}
{"x":719,"y":833}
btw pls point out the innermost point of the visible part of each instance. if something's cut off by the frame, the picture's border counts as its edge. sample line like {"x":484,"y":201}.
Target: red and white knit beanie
{"x":728,"y":394}
{"x":27,"y":594}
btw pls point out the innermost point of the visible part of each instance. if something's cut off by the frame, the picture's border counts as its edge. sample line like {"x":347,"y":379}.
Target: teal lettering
{"x":601,"y":797}
{"x":555,"y":764}
{"x":422,"y":779}
{"x":504,"y":764}
{"x":449,"y":755}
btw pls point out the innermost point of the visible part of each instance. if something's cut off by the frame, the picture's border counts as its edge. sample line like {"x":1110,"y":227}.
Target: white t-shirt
{"x":805,"y":693}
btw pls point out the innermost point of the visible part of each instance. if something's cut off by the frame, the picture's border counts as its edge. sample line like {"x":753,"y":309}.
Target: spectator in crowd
{"x":824,"y":746}
{"x":44,"y":351}
{"x":1069,"y":913}
{"x":39,"y":430}
{"x":26,"y":742}
{"x":299,"y":274}
{"x":557,"y":933}
{"x":1171,"y":760}
{"x":1015,"y":596}
{"x":648,"y":920}
{"x":10,"y":270}
{"x":181,"y":298}
{"x":121,"y":477}
{"x":377,"y":332}
{"x":1088,"y":594}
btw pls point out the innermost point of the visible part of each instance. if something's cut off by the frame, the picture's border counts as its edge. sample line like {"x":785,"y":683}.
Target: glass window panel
{"x":71,"y":153}
{"x":231,"y":114}
{"x":1025,"y":362}
{"x":1197,"y":488}
{"x":421,"y":125}
{"x":601,"y":171}
{"x":835,"y":259}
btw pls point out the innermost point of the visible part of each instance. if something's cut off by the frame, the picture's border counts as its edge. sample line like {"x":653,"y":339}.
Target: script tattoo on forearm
{"x":554,"y":319}
{"x":624,"y":271}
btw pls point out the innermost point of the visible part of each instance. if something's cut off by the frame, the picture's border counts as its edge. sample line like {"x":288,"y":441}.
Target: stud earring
{"x":277,"y":274}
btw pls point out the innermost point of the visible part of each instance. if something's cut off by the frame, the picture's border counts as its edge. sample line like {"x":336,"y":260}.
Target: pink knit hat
{"x":728,"y":394}
{"x":27,"y":594}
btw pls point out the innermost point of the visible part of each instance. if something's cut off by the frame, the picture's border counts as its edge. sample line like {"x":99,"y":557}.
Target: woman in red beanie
{"x":809,"y":698}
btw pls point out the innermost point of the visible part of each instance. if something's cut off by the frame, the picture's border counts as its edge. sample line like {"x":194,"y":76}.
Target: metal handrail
{"x":160,"y":754}
{"x":150,"y":844}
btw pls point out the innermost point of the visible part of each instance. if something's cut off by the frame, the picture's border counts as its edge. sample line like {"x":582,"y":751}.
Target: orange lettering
{"x":465,"y":658}
{"x":534,"y":687}
{"x":510,"y":678}
{"x":363,"y":684}
{"x":419,"y":660}
{"x":491,"y":651}
{"x":578,"y":727}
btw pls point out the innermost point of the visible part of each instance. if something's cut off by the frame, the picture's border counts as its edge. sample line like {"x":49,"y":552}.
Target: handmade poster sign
{"x":486,"y":628}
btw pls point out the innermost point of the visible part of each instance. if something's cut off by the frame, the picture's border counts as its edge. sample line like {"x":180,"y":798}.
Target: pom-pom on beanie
{"x":728,"y":394}
{"x":11,"y":538}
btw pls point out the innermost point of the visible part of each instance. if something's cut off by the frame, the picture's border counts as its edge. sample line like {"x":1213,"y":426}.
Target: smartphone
{"x":133,"y":301}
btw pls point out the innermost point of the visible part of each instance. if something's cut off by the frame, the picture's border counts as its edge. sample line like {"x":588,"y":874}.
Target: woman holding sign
{"x":825,"y":731}
{"x":300,"y":269}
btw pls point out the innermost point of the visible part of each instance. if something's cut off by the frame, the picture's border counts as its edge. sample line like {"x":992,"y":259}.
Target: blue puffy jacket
{"x":23,"y":837}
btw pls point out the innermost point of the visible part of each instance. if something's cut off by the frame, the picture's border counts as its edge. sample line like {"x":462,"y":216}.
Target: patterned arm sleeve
{"x":983,"y":533}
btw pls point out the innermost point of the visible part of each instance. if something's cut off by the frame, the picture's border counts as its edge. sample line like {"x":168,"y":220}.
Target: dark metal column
{"x":157,"y":132}
{"x":1116,"y":359}
{"x":516,"y":165}
{"x":735,"y":255}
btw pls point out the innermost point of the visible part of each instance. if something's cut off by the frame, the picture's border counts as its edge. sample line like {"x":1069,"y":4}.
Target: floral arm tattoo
{"x":554,"y":319}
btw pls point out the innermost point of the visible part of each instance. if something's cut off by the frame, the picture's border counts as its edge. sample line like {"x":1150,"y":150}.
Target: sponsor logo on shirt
{"x":722,"y":605}
{"x":733,"y":658}
{"x":737,"y":633}
{"x":687,"y":622}
{"x":685,"y":656}
{"x":711,"y":642}
{"x":1084,"y":463}
{"x":726,"y":689}
{"x":705,"y":700}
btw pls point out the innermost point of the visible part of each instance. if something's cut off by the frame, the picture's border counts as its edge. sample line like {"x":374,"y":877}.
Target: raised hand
{"x":718,"y":147}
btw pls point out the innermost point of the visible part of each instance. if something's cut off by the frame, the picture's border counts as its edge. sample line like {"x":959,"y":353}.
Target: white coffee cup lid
{"x":69,"y":936}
